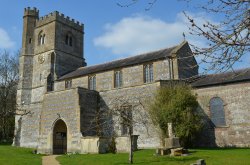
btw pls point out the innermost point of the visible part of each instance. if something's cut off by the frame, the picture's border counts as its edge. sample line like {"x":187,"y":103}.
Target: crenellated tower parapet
{"x":31,"y":12}
{"x":56,"y":16}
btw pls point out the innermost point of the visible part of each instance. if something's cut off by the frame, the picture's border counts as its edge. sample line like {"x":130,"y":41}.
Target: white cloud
{"x":138,"y":34}
{"x":5,"y":41}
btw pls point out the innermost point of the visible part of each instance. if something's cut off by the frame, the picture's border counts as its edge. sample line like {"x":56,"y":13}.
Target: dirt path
{"x":50,"y":160}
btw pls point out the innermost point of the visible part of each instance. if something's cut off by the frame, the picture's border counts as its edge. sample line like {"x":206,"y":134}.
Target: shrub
{"x":176,"y":104}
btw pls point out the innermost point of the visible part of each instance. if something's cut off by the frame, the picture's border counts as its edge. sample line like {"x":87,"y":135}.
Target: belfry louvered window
{"x":69,"y":39}
{"x":118,"y":79}
{"x":148,"y":73}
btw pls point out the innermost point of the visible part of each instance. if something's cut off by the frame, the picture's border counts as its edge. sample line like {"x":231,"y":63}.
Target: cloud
{"x":139,"y":34}
{"x":5,"y":41}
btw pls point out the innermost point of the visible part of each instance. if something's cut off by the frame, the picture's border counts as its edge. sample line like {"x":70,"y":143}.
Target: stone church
{"x":64,"y":95}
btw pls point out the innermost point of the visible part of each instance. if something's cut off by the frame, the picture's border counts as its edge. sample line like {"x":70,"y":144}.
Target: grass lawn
{"x":22,"y":156}
{"x":211,"y":156}
{"x":18,"y":156}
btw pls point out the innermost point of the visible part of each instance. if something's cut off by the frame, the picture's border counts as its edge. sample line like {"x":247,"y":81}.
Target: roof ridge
{"x":228,"y":72}
{"x":223,"y":78}
{"x":133,"y":56}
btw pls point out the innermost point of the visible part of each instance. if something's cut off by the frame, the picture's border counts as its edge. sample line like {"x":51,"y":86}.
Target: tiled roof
{"x":222,"y":78}
{"x":134,"y":60}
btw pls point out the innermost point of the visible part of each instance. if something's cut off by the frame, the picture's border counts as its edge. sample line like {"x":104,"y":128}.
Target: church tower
{"x":52,"y":46}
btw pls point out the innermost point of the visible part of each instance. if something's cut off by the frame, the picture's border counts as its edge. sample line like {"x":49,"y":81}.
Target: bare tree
{"x":8,"y":86}
{"x":150,"y":4}
{"x":228,"y":40}
{"x":125,"y":114}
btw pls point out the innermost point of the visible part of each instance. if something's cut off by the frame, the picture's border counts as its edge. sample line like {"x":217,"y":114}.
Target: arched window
{"x":69,"y":39}
{"x":118,"y":79}
{"x":41,"y":38}
{"x":217,"y":112}
{"x":148,"y":73}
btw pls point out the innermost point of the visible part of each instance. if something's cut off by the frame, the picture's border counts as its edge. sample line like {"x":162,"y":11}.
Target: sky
{"x":111,"y":31}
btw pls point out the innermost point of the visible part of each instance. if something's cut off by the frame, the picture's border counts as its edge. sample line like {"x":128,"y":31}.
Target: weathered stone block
{"x":92,"y":144}
{"x":172,"y":142}
{"x":176,"y":152}
{"x":123,"y":143}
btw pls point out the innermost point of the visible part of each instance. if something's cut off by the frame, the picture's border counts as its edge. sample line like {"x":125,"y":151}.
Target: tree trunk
{"x":131,"y":149}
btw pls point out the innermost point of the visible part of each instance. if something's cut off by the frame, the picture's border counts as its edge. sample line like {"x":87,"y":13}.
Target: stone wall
{"x":74,"y":107}
{"x":60,"y":105}
{"x":65,"y":62}
{"x":142,"y":125}
{"x":132,"y":76}
{"x":49,"y":44}
{"x":28,"y":126}
{"x":94,"y":144}
{"x":89,"y":107}
{"x":25,"y":81}
{"x":236,"y":132}
{"x":77,"y":39}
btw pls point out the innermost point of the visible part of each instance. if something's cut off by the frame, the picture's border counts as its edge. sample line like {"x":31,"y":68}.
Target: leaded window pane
{"x":118,"y":79}
{"x":217,"y":112}
{"x":148,"y":73}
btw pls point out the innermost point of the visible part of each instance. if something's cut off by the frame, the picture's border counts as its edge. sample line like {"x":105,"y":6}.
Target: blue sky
{"x":111,"y":32}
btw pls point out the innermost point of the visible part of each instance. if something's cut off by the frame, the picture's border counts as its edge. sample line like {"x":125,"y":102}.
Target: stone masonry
{"x":55,"y":87}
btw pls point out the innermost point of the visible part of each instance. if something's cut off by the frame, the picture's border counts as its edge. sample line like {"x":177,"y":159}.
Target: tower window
{"x":148,"y":73}
{"x":118,"y":79}
{"x":69,"y":40}
{"x":92,"y":82}
{"x":41,"y":38}
{"x":30,"y":40}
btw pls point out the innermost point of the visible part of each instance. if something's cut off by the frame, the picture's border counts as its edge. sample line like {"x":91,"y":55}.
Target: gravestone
{"x":171,"y":141}
{"x":172,"y":145}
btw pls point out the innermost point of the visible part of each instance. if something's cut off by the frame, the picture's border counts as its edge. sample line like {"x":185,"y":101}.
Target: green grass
{"x":22,"y":156}
{"x":211,"y":156}
{"x":18,"y":156}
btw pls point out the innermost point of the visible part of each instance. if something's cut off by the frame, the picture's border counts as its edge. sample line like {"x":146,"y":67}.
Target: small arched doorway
{"x":60,"y":137}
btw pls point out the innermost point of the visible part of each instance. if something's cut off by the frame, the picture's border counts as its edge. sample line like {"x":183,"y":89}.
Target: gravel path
{"x":50,"y":160}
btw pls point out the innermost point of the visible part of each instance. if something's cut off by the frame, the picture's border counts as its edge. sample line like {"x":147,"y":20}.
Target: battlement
{"x":56,"y":16}
{"x":31,"y":12}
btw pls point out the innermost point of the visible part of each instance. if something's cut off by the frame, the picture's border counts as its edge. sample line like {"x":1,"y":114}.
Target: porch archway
{"x":60,"y":137}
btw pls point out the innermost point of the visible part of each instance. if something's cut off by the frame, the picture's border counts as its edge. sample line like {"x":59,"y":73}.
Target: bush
{"x":176,"y":104}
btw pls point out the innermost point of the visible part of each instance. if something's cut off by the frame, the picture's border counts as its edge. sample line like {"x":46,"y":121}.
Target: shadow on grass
{"x":5,"y":143}
{"x":192,"y":151}
{"x":218,"y":148}
{"x":163,"y":160}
